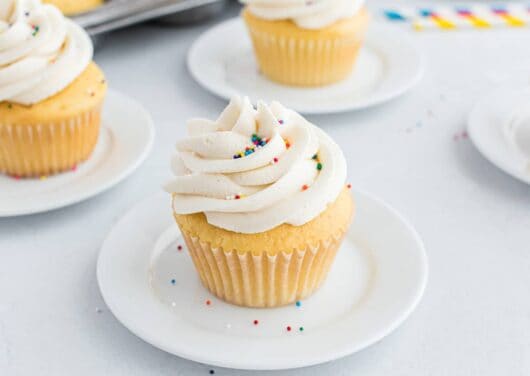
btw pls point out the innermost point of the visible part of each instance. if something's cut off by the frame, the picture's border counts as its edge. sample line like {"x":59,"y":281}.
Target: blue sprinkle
{"x":394,"y":16}
{"x":425,"y":12}
{"x":173,"y":281}
{"x":298,"y":303}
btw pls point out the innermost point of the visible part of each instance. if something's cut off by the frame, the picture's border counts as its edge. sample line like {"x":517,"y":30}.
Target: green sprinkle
{"x":319,"y":166}
{"x":301,"y":329}
{"x":315,"y":156}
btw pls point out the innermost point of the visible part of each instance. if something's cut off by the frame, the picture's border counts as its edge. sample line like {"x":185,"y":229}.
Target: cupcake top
{"x":307,"y":14}
{"x":254,"y":169}
{"x":41,"y":52}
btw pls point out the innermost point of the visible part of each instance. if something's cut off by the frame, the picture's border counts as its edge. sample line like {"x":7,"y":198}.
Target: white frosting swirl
{"x":307,"y":14}
{"x":41,"y":52}
{"x":290,"y":179}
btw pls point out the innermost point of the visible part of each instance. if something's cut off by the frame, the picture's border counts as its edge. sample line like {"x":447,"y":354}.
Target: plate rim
{"x":111,"y":182}
{"x":476,"y":131}
{"x":226,"y":92}
{"x":281,"y":364}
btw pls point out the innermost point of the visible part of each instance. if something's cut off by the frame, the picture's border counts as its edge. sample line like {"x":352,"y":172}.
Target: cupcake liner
{"x":303,"y":58}
{"x":262,"y":280}
{"x":28,"y":150}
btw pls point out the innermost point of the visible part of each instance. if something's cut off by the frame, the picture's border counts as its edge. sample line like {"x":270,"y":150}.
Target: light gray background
{"x":474,"y":219}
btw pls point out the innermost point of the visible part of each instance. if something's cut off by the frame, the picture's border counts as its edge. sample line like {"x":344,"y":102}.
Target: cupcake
{"x":72,"y":7}
{"x":51,"y":92}
{"x":306,"y":43}
{"x":260,"y":200}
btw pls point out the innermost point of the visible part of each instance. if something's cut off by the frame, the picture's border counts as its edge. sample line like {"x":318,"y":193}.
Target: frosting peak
{"x":41,"y":52}
{"x":307,"y":14}
{"x":255,"y":169}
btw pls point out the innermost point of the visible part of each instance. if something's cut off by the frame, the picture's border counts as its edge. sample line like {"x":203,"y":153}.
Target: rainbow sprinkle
{"x":257,"y":142}
{"x":319,"y":164}
{"x":36,"y":29}
{"x":477,"y":16}
{"x":234,"y":197}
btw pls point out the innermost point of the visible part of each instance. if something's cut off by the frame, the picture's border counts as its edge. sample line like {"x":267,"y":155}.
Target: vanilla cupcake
{"x":51,"y":92}
{"x":306,"y":43}
{"x":73,"y":7}
{"x":260,"y":199}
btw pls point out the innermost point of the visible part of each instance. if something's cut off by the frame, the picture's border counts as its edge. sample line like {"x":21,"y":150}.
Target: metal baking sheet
{"x":116,"y":14}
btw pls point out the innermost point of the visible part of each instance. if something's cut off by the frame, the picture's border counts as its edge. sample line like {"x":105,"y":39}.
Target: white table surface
{"x":474,"y":219}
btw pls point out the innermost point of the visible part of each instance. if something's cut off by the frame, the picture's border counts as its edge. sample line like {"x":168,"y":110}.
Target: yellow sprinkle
{"x":513,"y":21}
{"x":479,"y":22}
{"x":443,"y":23}
{"x":417,"y":26}
{"x":43,"y":177}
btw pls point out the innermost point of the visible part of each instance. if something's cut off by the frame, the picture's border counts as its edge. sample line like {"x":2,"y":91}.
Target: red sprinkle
{"x":256,"y":322}
{"x":237,"y":197}
{"x":208,"y":302}
{"x":74,"y":167}
{"x":275,"y":160}
{"x":179,"y":247}
{"x":288,"y":328}
{"x":304,"y":187}
{"x":348,"y":186}
{"x":280,"y":121}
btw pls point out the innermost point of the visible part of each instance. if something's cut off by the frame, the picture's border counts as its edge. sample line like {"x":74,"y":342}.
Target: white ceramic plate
{"x":125,"y":140}
{"x":377,"y":280}
{"x":499,"y":126}
{"x":222,"y":61}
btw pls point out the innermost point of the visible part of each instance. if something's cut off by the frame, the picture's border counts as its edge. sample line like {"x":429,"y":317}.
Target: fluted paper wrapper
{"x":262,"y":280}
{"x":48,"y":148}
{"x":303,"y":59}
